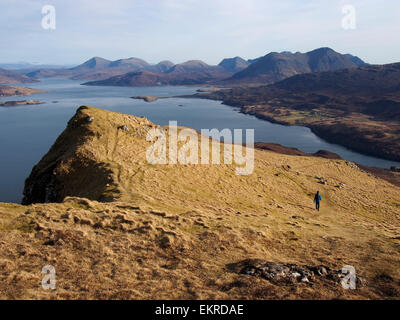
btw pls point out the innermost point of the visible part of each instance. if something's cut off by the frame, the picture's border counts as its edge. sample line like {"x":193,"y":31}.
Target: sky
{"x":208,"y":30}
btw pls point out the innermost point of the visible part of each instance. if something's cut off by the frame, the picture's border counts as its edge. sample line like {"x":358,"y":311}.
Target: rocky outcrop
{"x":290,"y":274}
{"x":76,"y":165}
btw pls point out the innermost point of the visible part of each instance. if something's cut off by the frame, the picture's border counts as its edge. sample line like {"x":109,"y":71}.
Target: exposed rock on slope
{"x":175,"y":231}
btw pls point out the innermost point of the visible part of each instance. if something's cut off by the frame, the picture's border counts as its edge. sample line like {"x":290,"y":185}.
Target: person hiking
{"x":317,"y":200}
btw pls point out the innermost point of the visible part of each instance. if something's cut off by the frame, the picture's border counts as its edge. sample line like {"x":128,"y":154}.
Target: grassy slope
{"x":171,"y":230}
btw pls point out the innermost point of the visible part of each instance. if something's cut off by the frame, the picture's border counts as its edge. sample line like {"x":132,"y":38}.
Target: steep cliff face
{"x":126,"y":229}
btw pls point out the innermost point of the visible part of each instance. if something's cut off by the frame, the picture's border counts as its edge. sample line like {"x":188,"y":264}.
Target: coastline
{"x":324,"y":133}
{"x":319,"y":129}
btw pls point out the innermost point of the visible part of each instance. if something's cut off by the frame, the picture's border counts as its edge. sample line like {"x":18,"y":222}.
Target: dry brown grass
{"x":170,"y":231}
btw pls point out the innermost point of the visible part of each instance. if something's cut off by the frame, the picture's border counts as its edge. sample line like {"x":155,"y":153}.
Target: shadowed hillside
{"x":7,"y":77}
{"x":277,"y":66}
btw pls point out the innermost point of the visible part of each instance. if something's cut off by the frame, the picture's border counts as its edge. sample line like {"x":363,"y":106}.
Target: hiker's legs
{"x":317,"y":205}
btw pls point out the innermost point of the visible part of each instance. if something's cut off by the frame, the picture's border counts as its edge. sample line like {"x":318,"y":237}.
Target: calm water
{"x":27,"y":132}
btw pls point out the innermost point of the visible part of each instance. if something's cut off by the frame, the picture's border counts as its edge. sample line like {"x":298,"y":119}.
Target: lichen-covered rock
{"x":288,"y":274}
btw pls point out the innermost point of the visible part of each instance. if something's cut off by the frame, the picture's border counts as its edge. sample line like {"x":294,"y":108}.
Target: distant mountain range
{"x":98,"y":68}
{"x":236,"y":71}
{"x":24,"y":66}
{"x":187,"y":73}
{"x":270,"y":68}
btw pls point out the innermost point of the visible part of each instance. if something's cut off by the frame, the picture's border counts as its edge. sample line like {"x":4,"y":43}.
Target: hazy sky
{"x":209,"y":30}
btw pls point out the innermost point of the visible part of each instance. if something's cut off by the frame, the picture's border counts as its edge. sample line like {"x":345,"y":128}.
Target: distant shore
{"x":323,"y":129}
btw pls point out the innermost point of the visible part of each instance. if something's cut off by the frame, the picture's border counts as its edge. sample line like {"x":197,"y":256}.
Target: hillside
{"x":135,"y":62}
{"x":358,"y":108}
{"x":234,"y":64}
{"x":7,"y":91}
{"x":277,"y":66}
{"x":7,"y":77}
{"x":194,"y":66}
{"x":93,"y":63}
{"x":125,"y":229}
{"x":160,"y":67}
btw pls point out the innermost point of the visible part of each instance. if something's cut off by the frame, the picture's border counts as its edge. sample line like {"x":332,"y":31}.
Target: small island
{"x":146,"y":98}
{"x":19,"y":103}
{"x":208,"y":90}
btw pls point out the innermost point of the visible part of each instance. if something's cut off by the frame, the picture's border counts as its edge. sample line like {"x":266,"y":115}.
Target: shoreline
{"x":315,"y":129}
{"x":320,"y":133}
